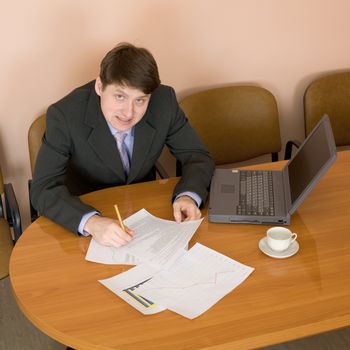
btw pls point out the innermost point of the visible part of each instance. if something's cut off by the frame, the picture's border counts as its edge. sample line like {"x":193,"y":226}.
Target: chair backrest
{"x":236,"y":123}
{"x":35,"y":134}
{"x":329,"y":95}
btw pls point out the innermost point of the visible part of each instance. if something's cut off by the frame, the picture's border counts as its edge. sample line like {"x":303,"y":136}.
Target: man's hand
{"x":107,"y":232}
{"x":185,"y":209}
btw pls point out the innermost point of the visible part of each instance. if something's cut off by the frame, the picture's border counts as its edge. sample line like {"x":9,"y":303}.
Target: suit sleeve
{"x":49,"y":194}
{"x":186,"y":146}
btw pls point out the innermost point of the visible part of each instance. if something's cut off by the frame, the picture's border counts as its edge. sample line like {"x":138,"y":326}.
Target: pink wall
{"x":50,"y":47}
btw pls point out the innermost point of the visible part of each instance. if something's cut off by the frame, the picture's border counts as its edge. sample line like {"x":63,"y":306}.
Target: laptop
{"x":271,"y":197}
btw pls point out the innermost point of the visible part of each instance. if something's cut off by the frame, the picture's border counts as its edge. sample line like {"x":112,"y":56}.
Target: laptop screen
{"x":309,"y":160}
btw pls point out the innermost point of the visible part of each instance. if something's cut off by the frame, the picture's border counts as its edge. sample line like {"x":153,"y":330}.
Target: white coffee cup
{"x":280,"y":238}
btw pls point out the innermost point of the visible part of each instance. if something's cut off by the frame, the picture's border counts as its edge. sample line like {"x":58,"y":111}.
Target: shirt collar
{"x":114,"y":130}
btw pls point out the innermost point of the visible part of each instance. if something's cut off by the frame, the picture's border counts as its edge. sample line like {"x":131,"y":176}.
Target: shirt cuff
{"x":193,"y":195}
{"x":83,"y":221}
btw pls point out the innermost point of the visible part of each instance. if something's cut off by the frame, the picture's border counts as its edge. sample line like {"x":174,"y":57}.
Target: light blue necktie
{"x":120,"y":137}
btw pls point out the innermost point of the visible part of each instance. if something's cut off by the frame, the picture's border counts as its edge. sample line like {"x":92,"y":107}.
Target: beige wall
{"x":48,"y":47}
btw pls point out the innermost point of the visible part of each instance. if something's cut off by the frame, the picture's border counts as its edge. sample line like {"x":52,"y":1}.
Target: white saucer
{"x":292,"y":249}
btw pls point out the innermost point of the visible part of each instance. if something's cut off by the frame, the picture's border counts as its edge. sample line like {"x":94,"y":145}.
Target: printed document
{"x":156,"y":241}
{"x":197,"y":280}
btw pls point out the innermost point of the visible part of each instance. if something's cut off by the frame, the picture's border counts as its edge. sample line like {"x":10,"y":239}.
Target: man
{"x":110,"y":132}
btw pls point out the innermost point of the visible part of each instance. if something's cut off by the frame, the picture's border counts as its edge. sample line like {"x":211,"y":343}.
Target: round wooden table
{"x":283,"y":299}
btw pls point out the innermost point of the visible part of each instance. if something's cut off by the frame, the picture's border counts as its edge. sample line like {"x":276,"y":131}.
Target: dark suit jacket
{"x":79,"y":154}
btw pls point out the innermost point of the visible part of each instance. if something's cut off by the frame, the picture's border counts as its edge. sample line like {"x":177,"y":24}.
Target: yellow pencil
{"x":119,"y":217}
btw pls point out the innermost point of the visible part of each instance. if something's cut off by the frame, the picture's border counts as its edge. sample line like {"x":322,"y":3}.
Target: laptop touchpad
{"x":227,"y":188}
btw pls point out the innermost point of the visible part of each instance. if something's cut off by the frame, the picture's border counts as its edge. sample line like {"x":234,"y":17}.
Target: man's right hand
{"x":107,"y":232}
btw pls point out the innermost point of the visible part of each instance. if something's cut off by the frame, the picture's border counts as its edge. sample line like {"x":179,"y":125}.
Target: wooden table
{"x":283,"y":299}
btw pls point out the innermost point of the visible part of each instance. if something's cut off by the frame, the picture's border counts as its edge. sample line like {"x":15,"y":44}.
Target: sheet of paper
{"x":109,"y":255}
{"x":198,"y":279}
{"x":126,"y":285}
{"x":157,"y":241}
{"x":195,"y":282}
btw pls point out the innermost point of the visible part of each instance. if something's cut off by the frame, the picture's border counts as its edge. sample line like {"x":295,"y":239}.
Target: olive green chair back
{"x":329,"y":95}
{"x":236,"y":123}
{"x":35,"y":135}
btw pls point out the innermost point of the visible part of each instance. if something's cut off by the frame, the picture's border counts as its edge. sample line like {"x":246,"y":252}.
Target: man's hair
{"x":132,"y":66}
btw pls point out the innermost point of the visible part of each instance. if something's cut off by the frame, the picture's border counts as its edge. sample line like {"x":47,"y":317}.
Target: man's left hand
{"x":185,"y":209}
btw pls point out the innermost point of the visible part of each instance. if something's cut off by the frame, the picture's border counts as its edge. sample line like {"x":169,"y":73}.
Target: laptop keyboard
{"x":256,"y":193}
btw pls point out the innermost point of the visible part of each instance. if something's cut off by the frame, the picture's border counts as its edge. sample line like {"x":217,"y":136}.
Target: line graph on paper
{"x":201,"y":273}
{"x":215,"y":280}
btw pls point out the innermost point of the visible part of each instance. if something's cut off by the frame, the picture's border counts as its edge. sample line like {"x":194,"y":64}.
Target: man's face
{"x":122,"y":106}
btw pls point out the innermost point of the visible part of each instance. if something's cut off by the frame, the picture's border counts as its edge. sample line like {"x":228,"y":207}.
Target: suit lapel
{"x":143,"y":139}
{"x":100,"y":139}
